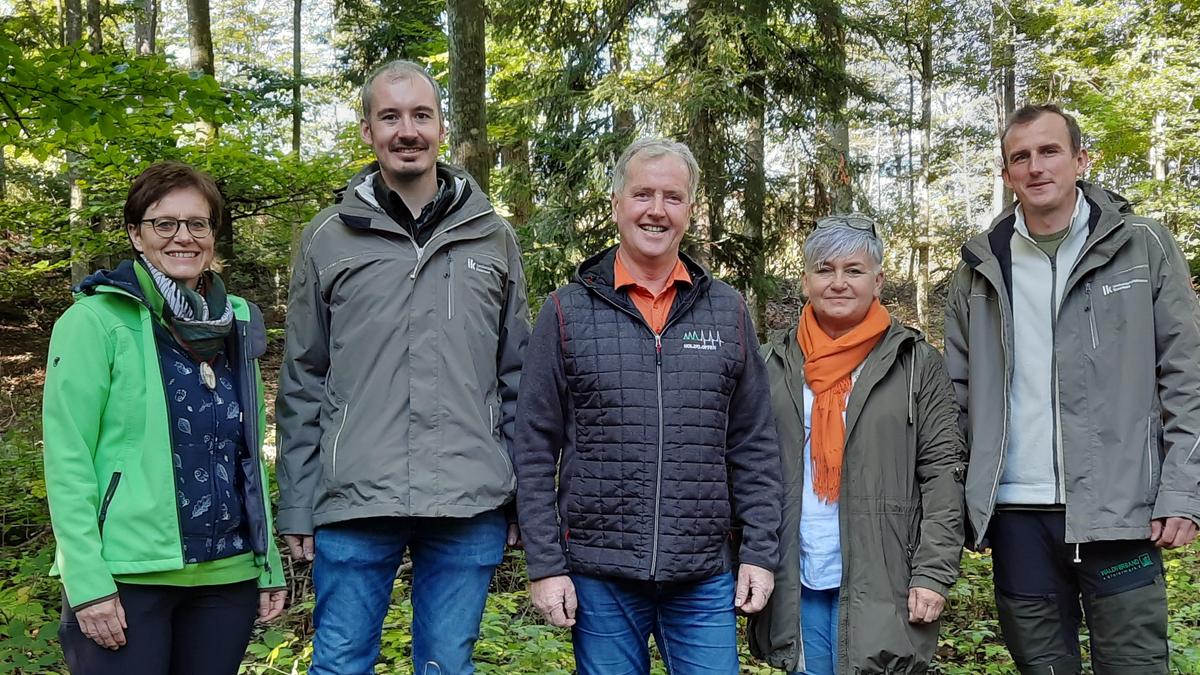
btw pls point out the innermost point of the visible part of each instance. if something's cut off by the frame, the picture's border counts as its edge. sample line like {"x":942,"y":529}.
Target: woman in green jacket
{"x":153,"y":423}
{"x":873,"y":466}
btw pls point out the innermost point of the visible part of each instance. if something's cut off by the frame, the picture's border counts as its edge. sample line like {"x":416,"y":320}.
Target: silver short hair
{"x":395,"y":70}
{"x":653,"y":148}
{"x":830,"y":243}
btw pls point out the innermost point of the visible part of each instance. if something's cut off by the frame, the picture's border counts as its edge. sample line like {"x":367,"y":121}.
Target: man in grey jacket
{"x":1072,"y":334}
{"x":407,"y":320}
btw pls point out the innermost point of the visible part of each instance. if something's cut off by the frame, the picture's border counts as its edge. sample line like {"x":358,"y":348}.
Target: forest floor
{"x":513,"y":639}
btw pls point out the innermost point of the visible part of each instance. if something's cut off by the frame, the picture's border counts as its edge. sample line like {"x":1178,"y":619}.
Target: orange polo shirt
{"x":654,"y":308}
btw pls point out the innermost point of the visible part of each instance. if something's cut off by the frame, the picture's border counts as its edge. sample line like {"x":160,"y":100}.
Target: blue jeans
{"x":355,"y":567}
{"x":692,"y":622}
{"x":819,"y":623}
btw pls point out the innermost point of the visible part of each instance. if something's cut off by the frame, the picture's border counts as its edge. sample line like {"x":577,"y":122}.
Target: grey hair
{"x":831,"y":243}
{"x":653,"y":148}
{"x":395,"y":70}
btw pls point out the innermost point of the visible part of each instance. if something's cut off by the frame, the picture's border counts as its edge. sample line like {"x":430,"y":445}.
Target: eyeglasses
{"x":854,"y":221}
{"x":166,"y":228}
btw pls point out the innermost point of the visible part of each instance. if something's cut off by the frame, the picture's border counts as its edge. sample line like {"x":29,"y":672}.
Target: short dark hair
{"x":161,"y":178}
{"x":1028,"y":113}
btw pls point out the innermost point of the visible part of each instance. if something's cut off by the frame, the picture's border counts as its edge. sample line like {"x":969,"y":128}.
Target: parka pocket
{"x":111,"y":490}
{"x":1152,"y":459}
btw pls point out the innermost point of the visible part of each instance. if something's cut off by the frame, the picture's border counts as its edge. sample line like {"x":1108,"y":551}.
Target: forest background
{"x":794,"y":109}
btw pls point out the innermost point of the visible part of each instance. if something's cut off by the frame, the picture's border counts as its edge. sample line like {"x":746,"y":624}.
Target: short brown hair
{"x":1028,"y":113}
{"x":394,"y":70}
{"x":161,"y":178}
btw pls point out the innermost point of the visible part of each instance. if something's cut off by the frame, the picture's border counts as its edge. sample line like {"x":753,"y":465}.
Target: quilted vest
{"x":648,"y":495}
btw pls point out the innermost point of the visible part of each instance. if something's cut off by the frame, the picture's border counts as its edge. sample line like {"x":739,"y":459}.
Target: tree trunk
{"x":201,"y":47}
{"x":755,"y":195}
{"x":923,"y":238}
{"x":72,"y":21}
{"x":833,"y":164}
{"x":145,"y":27}
{"x":80,"y":265}
{"x":296,"y":110}
{"x":468,"y":110}
{"x":95,"y":33}
{"x":1003,"y":91}
{"x":624,"y":124}
{"x":702,"y":138}
{"x":515,"y":158}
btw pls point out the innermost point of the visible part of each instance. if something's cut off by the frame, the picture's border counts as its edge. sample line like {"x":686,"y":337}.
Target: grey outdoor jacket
{"x":1127,"y":376}
{"x":901,"y":505}
{"x":398,"y":390}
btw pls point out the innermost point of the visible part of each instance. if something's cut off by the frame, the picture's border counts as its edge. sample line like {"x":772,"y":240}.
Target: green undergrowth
{"x":513,"y":640}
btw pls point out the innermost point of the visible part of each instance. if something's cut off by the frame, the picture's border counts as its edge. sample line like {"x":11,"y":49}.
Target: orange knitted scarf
{"x":828,"y":364}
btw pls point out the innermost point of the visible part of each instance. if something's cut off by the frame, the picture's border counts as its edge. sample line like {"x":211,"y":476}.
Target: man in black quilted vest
{"x":647,"y":464}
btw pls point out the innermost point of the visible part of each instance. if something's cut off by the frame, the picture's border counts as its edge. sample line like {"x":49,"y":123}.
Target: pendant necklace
{"x":207,"y":376}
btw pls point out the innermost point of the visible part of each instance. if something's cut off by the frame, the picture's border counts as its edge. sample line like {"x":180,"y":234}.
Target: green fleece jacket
{"x":107,"y":443}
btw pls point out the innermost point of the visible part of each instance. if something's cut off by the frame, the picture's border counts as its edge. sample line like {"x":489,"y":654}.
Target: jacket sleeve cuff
{"x":536,"y":570}
{"x":922,"y":581}
{"x":756,"y":558}
{"x":93,"y":601}
{"x":1173,"y":503}
{"x":295,"y":520}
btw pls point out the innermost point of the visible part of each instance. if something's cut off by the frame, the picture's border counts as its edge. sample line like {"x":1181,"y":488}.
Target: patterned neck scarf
{"x":200,"y":322}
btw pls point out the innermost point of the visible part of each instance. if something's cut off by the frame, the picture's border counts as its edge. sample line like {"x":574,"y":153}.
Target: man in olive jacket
{"x":1072,"y":335}
{"x":407,"y":321}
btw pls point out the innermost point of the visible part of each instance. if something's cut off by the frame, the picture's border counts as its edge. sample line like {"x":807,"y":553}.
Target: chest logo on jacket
{"x":704,"y":340}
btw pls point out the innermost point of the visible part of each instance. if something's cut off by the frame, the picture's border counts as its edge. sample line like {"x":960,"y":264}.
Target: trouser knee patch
{"x":1129,"y":630}
{"x":1039,"y":633}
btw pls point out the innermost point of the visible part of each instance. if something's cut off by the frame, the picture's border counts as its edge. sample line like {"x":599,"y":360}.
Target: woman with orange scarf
{"x":873,"y":467}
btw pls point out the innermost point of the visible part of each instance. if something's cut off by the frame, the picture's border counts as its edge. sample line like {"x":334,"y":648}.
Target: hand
{"x":554,"y":598}
{"x":270,"y":604}
{"x":1172,"y":532}
{"x":514,"y":537}
{"x":924,"y":605}
{"x":300,"y":546}
{"x":104,"y":623}
{"x":754,"y":586}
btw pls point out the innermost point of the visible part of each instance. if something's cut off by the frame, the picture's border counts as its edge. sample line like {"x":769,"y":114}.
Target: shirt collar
{"x":1078,"y":217}
{"x":622,"y":277}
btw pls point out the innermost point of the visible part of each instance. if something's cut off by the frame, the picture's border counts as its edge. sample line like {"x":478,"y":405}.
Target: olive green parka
{"x":901,"y":502}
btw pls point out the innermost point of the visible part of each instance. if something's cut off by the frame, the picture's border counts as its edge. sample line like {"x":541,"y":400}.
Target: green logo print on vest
{"x":1141,"y":562}
{"x":705,"y":340}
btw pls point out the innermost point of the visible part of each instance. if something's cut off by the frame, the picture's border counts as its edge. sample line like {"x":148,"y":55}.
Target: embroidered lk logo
{"x":705,"y":340}
{"x":1144,"y":561}
{"x":476,"y":266}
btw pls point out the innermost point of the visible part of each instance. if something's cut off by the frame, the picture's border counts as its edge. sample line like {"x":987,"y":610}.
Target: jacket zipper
{"x":1087,"y":289}
{"x":1060,"y":490}
{"x":253,"y":447}
{"x":421,"y":249}
{"x":450,"y":285}
{"x":493,"y":419}
{"x":659,"y":462}
{"x":108,"y":495}
{"x":671,"y":319}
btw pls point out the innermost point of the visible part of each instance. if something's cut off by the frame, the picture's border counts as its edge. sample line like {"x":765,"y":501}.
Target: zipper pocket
{"x":108,"y":495}
{"x":1150,"y":457}
{"x":493,"y":419}
{"x":449,"y":285}
{"x":1087,"y":288}
{"x":336,"y":438}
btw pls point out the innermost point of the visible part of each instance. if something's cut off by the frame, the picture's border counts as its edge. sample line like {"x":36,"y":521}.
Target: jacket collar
{"x":898,"y":338}
{"x":596,"y":275}
{"x":990,"y":252}
{"x":360,"y":210}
